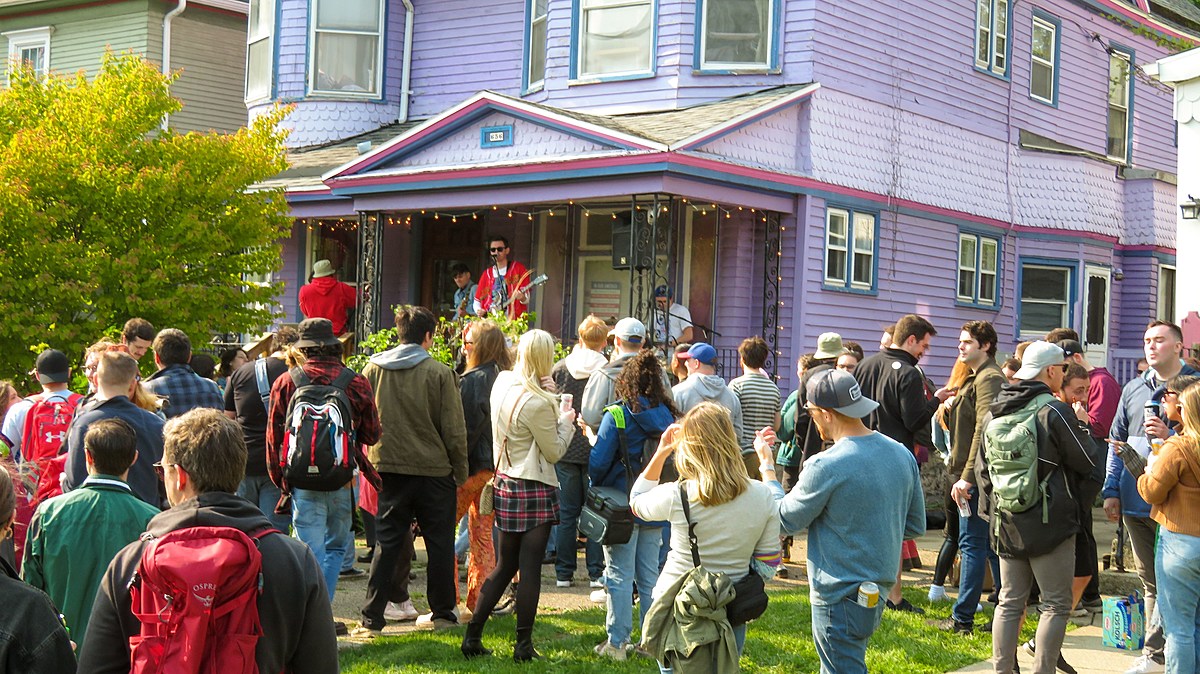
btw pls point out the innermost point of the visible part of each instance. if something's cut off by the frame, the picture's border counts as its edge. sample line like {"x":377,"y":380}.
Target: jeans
{"x":348,"y":558}
{"x":976,"y":550}
{"x":1142,"y":532}
{"x":1179,"y":599}
{"x":841,"y":631}
{"x":322,"y":520}
{"x":1054,"y":573}
{"x":462,"y":542}
{"x":259,"y":490}
{"x":739,"y":638}
{"x":637,"y":561}
{"x":572,"y":488}
{"x":432,"y":501}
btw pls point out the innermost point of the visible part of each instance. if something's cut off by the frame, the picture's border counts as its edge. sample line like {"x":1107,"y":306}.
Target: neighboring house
{"x":789,"y":166}
{"x":207,"y":42}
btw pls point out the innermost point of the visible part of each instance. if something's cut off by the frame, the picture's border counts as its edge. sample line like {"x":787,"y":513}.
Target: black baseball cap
{"x":53,"y":367}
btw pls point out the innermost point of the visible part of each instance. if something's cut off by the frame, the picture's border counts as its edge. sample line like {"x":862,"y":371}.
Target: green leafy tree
{"x":107,"y":216}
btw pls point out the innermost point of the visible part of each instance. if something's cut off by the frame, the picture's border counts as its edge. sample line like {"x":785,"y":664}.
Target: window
{"x":978,"y":261}
{"x":1166,"y":293}
{"x":991,"y":36}
{"x":1045,"y":298}
{"x":737,"y":34}
{"x":258,"y":49}
{"x":347,"y":49}
{"x":1043,"y":67}
{"x":536,"y":66}
{"x":616,"y":37}
{"x":30,"y":47}
{"x":1118,"y":105}
{"x":850,"y":249}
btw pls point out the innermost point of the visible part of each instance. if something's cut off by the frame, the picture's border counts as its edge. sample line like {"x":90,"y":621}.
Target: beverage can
{"x":964,"y":508}
{"x":868,"y":595}
{"x":566,"y":402}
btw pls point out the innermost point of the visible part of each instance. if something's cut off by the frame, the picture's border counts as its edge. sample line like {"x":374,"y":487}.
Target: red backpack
{"x":46,"y":426}
{"x":196,"y":595}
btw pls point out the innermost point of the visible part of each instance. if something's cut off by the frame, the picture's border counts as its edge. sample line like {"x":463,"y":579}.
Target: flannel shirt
{"x":362,"y":406}
{"x":184,"y":390}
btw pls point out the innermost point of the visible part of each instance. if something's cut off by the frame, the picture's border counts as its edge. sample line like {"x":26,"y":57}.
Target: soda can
{"x":868,"y":595}
{"x":964,"y":508}
{"x":566,"y":401}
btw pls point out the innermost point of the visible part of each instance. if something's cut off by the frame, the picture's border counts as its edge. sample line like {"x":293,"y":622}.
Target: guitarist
{"x":465,"y":294}
{"x":512,"y":290}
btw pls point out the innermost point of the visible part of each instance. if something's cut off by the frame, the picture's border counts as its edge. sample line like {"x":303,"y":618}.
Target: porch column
{"x":370,"y":240}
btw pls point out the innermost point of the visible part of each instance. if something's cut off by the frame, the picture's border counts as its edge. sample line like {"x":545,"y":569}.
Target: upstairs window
{"x":978,"y":260}
{"x":616,"y":37}
{"x":991,"y":36}
{"x":347,"y":48}
{"x":1043,"y":56}
{"x":850,"y":249}
{"x":1119,"y":99}
{"x":258,"y":49}
{"x":737,"y":34}
{"x":30,"y":47}
{"x":535,"y":67}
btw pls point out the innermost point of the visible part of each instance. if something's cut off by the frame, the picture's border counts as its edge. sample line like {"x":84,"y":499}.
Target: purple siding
{"x":1139,"y":298}
{"x":290,"y":275}
{"x":739,"y":294}
{"x":772,"y":143}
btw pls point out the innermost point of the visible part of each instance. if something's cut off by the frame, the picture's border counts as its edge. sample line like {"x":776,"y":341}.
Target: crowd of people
{"x":150,"y":518}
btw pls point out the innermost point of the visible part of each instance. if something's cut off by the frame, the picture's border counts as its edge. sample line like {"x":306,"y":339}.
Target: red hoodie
{"x":327,"y":297}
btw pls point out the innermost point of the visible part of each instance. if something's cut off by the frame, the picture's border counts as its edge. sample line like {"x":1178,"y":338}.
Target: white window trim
{"x":853,"y":219}
{"x":844,"y":248}
{"x":853,"y":239}
{"x":1170,"y":315}
{"x":543,"y":19}
{"x":379,"y":64}
{"x":25,"y":39}
{"x":974,"y":269}
{"x":977,"y":269}
{"x":1123,"y":157}
{"x":582,"y":39}
{"x":1065,"y":303}
{"x":997,"y":47}
{"x":1039,"y":22}
{"x":267,"y":30}
{"x":721,"y":65}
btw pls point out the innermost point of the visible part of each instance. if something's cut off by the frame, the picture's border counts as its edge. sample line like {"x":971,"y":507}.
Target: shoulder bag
{"x":606,"y":517}
{"x":750,"y":593}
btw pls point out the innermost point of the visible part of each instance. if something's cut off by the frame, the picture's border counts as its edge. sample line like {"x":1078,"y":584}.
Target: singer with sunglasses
{"x":511,"y":293}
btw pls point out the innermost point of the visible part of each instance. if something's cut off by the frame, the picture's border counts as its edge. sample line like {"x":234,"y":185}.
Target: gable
{"x":771,"y":142}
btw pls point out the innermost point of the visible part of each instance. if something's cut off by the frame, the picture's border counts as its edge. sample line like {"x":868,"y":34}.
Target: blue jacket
{"x":604,"y":464}
{"x":1130,"y":423}
{"x":149,"y":429}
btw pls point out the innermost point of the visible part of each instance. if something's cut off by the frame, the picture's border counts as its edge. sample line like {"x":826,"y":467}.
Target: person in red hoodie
{"x":327,"y":297}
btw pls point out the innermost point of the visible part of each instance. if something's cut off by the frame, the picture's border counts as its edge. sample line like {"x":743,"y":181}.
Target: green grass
{"x":780,"y":642}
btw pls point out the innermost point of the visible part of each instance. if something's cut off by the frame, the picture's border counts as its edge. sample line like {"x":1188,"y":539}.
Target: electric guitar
{"x":520,"y":285}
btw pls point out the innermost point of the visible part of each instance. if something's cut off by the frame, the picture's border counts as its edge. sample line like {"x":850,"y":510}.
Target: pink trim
{"x":1145,"y":21}
{"x":496,"y":170}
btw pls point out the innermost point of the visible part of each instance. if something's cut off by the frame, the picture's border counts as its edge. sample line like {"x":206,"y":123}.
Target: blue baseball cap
{"x":663,"y":291}
{"x":701,"y":352}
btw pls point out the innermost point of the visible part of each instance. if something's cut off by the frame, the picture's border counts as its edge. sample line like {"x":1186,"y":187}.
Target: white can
{"x":868,"y":595}
{"x":964,"y":508}
{"x":566,"y":401}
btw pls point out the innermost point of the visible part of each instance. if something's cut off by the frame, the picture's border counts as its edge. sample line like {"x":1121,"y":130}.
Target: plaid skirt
{"x":522,"y":505}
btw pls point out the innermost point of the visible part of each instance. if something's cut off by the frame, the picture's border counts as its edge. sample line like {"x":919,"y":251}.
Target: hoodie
{"x":571,"y":376}
{"x":297,"y":620}
{"x":327,"y":297}
{"x":421,"y":411}
{"x":698,"y":388}
{"x":599,"y":392}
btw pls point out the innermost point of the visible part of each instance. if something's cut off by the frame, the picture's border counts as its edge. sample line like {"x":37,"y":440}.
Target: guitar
{"x":520,"y":284}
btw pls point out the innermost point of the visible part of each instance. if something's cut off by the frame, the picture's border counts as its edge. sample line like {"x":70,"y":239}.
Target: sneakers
{"x":426,"y":621}
{"x":1031,"y":648}
{"x":596,"y":583}
{"x":340,"y":629}
{"x":1094,"y":606}
{"x":938,"y":593}
{"x":563,"y":583}
{"x":782,"y":572}
{"x":1145,"y":665}
{"x":951,"y":625}
{"x":599,"y":596}
{"x":904,"y":605}
{"x":363,"y":632}
{"x":607,"y":650}
{"x":402,"y":611}
{"x":352,"y":572}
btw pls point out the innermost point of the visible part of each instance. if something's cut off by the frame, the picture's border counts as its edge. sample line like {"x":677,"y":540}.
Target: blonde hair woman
{"x":529,"y":434}
{"x":735,"y":517}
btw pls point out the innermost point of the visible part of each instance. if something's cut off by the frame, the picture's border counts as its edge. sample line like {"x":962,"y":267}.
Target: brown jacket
{"x":974,"y":398}
{"x":1172,"y":486}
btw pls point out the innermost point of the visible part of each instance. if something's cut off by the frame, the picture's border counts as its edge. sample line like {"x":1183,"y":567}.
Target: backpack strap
{"x":263,"y":382}
{"x":618,"y":415}
{"x":342,"y":381}
{"x":687,"y":516}
{"x":299,"y":377}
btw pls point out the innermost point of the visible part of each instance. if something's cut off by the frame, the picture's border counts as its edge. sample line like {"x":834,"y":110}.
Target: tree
{"x":105,"y":216}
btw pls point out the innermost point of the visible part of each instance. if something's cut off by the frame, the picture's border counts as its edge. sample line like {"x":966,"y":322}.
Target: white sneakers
{"x":597,"y":583}
{"x":599,"y":596}
{"x":1145,"y":665}
{"x":404,"y":611}
{"x":607,"y":650}
{"x":563,"y":583}
{"x":938,"y":593}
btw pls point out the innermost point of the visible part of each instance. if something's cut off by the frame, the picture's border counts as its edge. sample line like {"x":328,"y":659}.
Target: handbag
{"x":749,"y":594}
{"x":487,"y":495}
{"x":606,"y":517}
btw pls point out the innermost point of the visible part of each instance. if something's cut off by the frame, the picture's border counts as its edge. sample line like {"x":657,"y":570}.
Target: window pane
{"x":989,"y":251}
{"x":736,"y":31}
{"x":261,"y":18}
{"x":987,"y":288}
{"x":835,"y":265}
{"x":361,"y":15}
{"x":537,"y":51}
{"x":1041,"y":318}
{"x":864,"y":233}
{"x":1118,"y":80}
{"x":1001,"y":38}
{"x":966,"y":252}
{"x":1118,"y":127}
{"x":258,"y":70}
{"x":616,"y":40}
{"x":1044,"y":283}
{"x":540,"y":7}
{"x":983,"y":23}
{"x":966,"y":283}
{"x":1166,"y":293}
{"x":1043,"y":40}
{"x":837,"y":228}
{"x":864,"y":266}
{"x":346,"y":62}
{"x":35,"y":58}
{"x":1041,"y":81}
{"x":1097,"y":309}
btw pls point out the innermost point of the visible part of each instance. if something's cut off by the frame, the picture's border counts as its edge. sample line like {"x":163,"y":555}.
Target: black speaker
{"x":622,"y":244}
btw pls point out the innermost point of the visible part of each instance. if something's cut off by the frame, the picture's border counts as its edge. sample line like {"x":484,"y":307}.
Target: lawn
{"x":780,"y":642}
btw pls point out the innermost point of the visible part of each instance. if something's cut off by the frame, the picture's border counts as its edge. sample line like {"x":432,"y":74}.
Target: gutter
{"x":406,"y":73}
{"x":166,"y":41}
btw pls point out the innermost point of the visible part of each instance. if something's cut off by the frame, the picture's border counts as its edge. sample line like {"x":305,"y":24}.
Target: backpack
{"x":318,"y":443}
{"x":46,"y":425}
{"x":1010,"y":445}
{"x":195,"y":593}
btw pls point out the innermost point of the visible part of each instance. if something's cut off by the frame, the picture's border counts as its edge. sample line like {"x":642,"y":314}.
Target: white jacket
{"x":529,"y":445}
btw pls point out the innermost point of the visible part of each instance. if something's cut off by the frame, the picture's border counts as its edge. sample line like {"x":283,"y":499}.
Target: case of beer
{"x":1125,"y":622}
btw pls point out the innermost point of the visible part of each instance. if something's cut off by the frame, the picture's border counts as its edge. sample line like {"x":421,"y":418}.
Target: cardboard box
{"x":1125,"y":622}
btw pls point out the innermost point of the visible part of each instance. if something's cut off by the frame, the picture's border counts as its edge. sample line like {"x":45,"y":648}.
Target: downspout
{"x":166,"y":44}
{"x":406,"y":74}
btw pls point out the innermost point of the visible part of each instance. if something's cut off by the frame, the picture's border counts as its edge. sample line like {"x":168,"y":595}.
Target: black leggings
{"x":945,"y":559}
{"x":515,"y":551}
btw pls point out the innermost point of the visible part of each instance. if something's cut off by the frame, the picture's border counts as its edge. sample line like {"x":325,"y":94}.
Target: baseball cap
{"x":629,"y":329}
{"x":53,"y":367}
{"x":701,"y":352}
{"x":663,"y":291}
{"x":829,"y":345}
{"x":1037,"y":357}
{"x":1070,"y":346}
{"x":839,"y":391}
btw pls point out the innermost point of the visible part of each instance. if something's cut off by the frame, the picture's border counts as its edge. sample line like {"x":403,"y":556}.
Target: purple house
{"x":789,"y":167}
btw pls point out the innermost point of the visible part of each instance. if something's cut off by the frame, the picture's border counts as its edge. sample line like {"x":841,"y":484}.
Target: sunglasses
{"x":160,"y":469}
{"x":1064,"y":367}
{"x":497,"y":250}
{"x":1169,"y":392}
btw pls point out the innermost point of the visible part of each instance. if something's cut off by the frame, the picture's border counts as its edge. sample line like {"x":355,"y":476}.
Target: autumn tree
{"x":104,"y":215}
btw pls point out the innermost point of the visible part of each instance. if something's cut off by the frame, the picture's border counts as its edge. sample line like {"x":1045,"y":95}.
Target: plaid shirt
{"x":184,"y":390}
{"x":362,"y":407}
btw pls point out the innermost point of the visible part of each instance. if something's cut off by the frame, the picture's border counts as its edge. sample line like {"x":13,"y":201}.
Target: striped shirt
{"x":759,"y":397}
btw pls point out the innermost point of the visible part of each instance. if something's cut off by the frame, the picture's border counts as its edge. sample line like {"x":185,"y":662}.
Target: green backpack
{"x":1011,"y":447}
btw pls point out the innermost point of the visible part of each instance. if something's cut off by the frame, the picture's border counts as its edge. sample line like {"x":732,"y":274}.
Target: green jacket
{"x":965,"y":420}
{"x":687,"y":629}
{"x":72,"y":539}
{"x":789,"y":447}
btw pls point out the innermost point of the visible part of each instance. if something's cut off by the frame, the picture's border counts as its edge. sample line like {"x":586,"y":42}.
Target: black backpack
{"x":319,"y":442}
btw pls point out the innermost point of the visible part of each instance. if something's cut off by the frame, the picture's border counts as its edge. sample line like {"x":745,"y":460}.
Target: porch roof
{"x":307,"y":165}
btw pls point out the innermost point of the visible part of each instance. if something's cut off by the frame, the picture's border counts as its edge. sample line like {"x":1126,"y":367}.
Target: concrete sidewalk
{"x":1082,"y":649}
